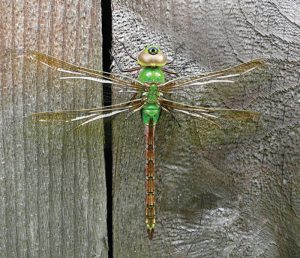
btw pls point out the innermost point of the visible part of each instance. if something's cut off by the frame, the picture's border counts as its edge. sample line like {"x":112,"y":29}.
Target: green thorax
{"x":151,"y":109}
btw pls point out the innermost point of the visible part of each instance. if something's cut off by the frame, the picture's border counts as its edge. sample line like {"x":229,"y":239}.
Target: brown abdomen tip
{"x":150,"y":233}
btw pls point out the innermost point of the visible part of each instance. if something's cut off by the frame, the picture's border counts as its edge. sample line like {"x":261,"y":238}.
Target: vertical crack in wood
{"x":106,"y":63}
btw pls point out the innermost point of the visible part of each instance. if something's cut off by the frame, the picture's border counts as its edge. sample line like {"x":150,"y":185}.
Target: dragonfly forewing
{"x":229,"y":75}
{"x":79,"y":72}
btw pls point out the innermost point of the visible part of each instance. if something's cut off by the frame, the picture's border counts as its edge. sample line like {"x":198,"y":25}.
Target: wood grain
{"x":218,"y":196}
{"x":53,"y":191}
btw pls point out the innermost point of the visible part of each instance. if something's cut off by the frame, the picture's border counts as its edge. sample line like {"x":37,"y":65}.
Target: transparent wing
{"x":210,"y":114}
{"x":215,"y":125}
{"x":229,"y":75}
{"x":76,"y":72}
{"x":86,"y":116}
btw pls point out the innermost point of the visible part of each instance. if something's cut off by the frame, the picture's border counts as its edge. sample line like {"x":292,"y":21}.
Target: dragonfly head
{"x":151,"y":56}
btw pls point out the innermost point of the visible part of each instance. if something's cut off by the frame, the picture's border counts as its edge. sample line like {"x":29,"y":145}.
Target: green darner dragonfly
{"x":149,"y":91}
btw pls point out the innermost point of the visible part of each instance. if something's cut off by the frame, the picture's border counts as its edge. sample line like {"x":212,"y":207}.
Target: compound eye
{"x":152,"y":50}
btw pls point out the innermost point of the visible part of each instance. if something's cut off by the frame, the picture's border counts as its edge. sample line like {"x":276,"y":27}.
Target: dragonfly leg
{"x":134,"y":96}
{"x":175,"y":55}
{"x":125,"y":49}
{"x":170,"y":72}
{"x":131,"y":112}
{"x":178,"y":72}
{"x":133,"y":69}
{"x":185,"y":64}
{"x":172,"y":113}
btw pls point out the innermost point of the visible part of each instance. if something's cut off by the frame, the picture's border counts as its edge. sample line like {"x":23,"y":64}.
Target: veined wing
{"x":78,"y":72}
{"x":211,"y":128}
{"x":215,"y":116}
{"x":89,"y":115}
{"x":228,"y":75}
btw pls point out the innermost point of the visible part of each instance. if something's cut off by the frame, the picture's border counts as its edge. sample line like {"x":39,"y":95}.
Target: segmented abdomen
{"x":150,"y":177}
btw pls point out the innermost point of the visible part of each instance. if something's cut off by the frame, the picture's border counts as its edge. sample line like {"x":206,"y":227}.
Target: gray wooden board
{"x":236,"y":196}
{"x":53,"y":191}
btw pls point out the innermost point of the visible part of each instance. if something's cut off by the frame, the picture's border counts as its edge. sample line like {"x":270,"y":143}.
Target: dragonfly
{"x":149,"y":92}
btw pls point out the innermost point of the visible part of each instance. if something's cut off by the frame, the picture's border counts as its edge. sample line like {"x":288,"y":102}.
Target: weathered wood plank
{"x":238,"y":197}
{"x":53,"y":190}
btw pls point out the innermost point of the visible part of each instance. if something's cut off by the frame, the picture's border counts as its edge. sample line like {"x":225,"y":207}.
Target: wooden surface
{"x":232,"y":197}
{"x":52,"y":180}
{"x":217,"y":197}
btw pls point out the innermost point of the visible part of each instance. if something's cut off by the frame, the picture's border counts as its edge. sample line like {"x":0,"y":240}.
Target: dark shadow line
{"x":106,"y":63}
